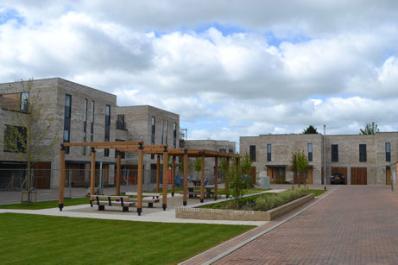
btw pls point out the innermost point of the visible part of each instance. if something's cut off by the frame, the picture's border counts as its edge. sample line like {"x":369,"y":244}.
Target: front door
{"x":388,"y":175}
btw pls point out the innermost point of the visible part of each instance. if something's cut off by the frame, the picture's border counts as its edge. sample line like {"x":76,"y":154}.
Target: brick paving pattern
{"x":353,"y":225}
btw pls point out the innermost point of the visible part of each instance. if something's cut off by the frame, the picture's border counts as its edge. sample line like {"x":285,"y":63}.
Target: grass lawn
{"x":45,"y":204}
{"x":37,"y":239}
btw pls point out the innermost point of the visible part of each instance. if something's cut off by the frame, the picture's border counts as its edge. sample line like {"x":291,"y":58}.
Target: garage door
{"x":359,"y":176}
{"x":340,"y":170}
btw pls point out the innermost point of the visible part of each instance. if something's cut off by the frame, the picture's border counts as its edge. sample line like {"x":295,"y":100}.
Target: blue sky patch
{"x":10,"y":14}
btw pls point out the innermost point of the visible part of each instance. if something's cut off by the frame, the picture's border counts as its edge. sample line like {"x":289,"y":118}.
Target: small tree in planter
{"x":300,"y":166}
{"x":246,"y":165}
{"x":238,"y":180}
{"x":197,"y":165}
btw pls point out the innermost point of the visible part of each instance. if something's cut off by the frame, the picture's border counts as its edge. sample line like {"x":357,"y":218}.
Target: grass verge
{"x":44,"y":204}
{"x":37,"y":239}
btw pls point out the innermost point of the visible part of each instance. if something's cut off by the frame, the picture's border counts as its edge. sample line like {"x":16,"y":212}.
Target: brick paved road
{"x":353,"y":225}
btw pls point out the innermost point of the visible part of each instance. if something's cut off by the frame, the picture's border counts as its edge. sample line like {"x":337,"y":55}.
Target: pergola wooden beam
{"x":92,"y":171}
{"x":158,"y":173}
{"x":173,"y":174}
{"x":202,"y":179}
{"x":185,"y":181}
{"x":117,"y":177}
{"x":61,"y":177}
{"x":140,"y":179}
{"x":215,"y":178}
{"x":165,"y":182}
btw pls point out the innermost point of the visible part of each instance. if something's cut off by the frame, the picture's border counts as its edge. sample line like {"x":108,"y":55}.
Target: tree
{"x":238,"y":176}
{"x":197,"y":166}
{"x":300,"y":166}
{"x":310,"y":130}
{"x":370,"y":129}
{"x":30,"y":137}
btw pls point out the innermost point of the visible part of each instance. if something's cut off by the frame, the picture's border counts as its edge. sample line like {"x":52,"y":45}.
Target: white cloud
{"x":331,"y":63}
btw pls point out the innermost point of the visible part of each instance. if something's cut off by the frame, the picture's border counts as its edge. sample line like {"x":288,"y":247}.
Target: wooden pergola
{"x":159,"y":150}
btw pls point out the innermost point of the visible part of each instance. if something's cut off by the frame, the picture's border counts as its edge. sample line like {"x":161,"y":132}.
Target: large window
{"x":335,"y":153}
{"x":362,"y":153}
{"x":175,"y":135}
{"x":15,"y":101}
{"x":67,"y":119}
{"x":92,"y":121}
{"x":15,"y":139}
{"x":388,"y":152}
{"x":107,"y":127}
{"x":269,"y":152}
{"x":309,"y":151}
{"x":84,"y":150}
{"x":120,"y":122}
{"x":24,"y":104}
{"x":153,"y":127}
{"x":252,"y":153}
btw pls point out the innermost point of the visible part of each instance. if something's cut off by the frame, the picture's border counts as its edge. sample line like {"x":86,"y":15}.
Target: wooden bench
{"x":106,"y":200}
{"x":147,"y":197}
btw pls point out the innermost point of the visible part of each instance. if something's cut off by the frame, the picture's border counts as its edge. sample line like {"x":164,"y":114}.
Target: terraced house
{"x":55,"y":111}
{"x":358,"y":159}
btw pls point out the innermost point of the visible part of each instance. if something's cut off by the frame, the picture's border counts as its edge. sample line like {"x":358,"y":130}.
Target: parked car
{"x":338,"y":179}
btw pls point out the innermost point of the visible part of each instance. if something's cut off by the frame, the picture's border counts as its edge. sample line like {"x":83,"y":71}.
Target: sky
{"x":229,"y":68}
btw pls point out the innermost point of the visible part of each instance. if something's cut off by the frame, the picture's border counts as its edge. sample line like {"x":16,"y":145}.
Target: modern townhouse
{"x":359,"y":159}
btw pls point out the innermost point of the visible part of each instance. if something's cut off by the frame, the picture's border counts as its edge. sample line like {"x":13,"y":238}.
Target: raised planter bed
{"x":243,"y":215}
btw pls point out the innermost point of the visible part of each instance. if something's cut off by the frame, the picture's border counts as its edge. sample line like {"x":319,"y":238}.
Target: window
{"x":67,"y":119}
{"x":84,"y":150}
{"x":24,"y":105}
{"x":161,"y":141}
{"x":153,"y":130}
{"x":269,"y":152}
{"x":335,"y":153}
{"x":15,"y":139}
{"x":92,"y":121}
{"x":175,"y":135}
{"x":120,"y":123}
{"x":252,"y":153}
{"x":388,"y":152}
{"x":15,"y":101}
{"x":309,"y":150}
{"x":107,"y":127}
{"x":167,"y":131}
{"x":362,"y":153}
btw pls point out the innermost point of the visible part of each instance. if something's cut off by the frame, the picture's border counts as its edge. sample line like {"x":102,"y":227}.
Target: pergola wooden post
{"x":185,"y":181}
{"x":117,"y":177}
{"x":140,"y":178}
{"x":215,"y":177}
{"x":173,"y":174}
{"x":226,"y":179}
{"x":202,"y":179}
{"x":158,"y":173}
{"x":61,"y":177}
{"x":92,"y":171}
{"x":165,"y":182}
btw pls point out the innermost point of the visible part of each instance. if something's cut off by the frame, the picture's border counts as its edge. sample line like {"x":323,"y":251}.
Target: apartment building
{"x":359,"y":159}
{"x":152,"y":126}
{"x":59,"y":111}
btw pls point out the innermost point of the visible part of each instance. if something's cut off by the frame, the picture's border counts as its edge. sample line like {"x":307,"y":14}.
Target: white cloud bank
{"x":332,"y":63}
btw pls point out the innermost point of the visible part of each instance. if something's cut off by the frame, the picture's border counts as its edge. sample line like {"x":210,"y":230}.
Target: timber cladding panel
{"x":359,"y":176}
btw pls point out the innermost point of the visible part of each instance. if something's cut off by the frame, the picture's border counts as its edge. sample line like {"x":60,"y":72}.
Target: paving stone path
{"x":353,"y":225}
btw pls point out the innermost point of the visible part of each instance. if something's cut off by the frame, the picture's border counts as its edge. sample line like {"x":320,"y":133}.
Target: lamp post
{"x":324,"y":157}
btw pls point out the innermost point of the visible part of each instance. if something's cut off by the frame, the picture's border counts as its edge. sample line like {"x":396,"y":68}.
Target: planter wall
{"x":241,"y":215}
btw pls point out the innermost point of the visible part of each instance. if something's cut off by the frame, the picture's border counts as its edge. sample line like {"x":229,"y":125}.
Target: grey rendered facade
{"x":335,"y":153}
